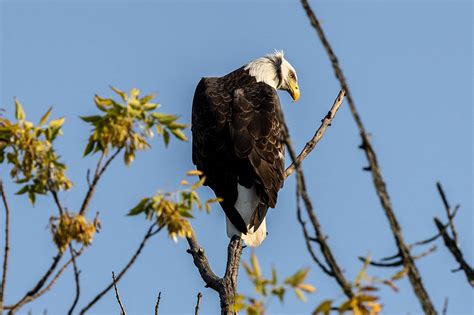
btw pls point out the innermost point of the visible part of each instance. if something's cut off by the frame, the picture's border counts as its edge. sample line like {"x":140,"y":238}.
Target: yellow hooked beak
{"x":294,"y":90}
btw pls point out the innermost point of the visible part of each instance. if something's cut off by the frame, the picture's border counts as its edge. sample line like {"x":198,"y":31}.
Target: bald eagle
{"x":237,"y":140}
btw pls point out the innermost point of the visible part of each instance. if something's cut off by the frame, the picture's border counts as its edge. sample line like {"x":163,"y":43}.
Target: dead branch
{"x":157,"y":303}
{"x":196,"y":309}
{"x":39,"y":285}
{"x":97,"y":175}
{"x":379,"y":184}
{"x":117,"y":295}
{"x":31,"y":297}
{"x":335,"y":270}
{"x":311,"y":144}
{"x":151,"y":232}
{"x":447,"y":207}
{"x":456,"y":252}
{"x":76,"y":280}
{"x":226,"y":286}
{"x":6,"y":252}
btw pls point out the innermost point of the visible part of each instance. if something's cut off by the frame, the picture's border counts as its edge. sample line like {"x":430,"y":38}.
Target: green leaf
{"x":166,"y":137}
{"x":23,"y":190}
{"x":19,"y":112}
{"x":134,"y":93}
{"x":45,"y":117}
{"x":90,"y":146}
{"x":164,"y":119}
{"x":32,"y":196}
{"x":91,"y":119}
{"x":139,"y":208}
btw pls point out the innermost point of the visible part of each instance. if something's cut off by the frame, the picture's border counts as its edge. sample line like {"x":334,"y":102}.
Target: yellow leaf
{"x":194,"y":173}
{"x":45,"y":117}
{"x":184,"y":182}
{"x":324,"y":308}
{"x":134,"y":93}
{"x":19,"y":112}
{"x":122,"y":94}
{"x":57,"y":122}
{"x":255,"y":264}
{"x":307,"y":287}
{"x":400,"y":274}
{"x":300,"y":294}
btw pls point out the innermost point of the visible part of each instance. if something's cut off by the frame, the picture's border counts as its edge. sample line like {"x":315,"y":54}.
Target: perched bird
{"x":237,"y":140}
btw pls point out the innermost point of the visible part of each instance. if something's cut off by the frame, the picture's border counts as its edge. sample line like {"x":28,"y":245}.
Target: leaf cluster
{"x":268,"y":287}
{"x":173,"y":209}
{"x":28,"y":148}
{"x":365,"y":301}
{"x":69,"y":227}
{"x":128,"y":124}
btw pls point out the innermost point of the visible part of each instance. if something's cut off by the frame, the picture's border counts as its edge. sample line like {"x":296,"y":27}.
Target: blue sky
{"x":409,"y":65}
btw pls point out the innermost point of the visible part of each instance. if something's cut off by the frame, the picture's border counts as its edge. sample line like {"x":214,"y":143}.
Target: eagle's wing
{"x":257,"y":139}
{"x":237,"y":140}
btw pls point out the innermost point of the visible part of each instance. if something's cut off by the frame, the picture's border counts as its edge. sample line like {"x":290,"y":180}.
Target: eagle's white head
{"x":276,"y":71}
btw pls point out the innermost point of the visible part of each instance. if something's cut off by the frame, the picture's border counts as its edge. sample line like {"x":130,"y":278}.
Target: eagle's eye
{"x":291,"y":75}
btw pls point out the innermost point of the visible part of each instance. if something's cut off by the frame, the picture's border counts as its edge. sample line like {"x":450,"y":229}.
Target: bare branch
{"x":97,"y":175}
{"x":117,"y":295}
{"x":76,"y":280}
{"x":456,"y":252}
{"x":132,"y":260}
{"x":31,"y":297}
{"x":379,"y":184}
{"x":226,"y":286}
{"x":157,"y":303}
{"x":39,"y":285}
{"x":447,"y":207}
{"x":325,"y":123}
{"x":6,"y":252}
{"x":196,"y":309}
{"x":57,"y":201}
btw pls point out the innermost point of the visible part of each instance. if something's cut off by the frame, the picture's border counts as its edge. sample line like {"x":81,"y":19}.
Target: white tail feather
{"x":247,"y":201}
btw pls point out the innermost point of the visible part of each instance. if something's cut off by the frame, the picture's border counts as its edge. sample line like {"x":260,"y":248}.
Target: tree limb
{"x":132,"y":260}
{"x":6,"y":252}
{"x":76,"y":280}
{"x":226,"y":286}
{"x":379,"y":184}
{"x":117,"y":295}
{"x":196,"y":309}
{"x":157,"y":303}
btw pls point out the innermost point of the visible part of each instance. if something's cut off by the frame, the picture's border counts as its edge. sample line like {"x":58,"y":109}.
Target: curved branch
{"x":132,"y":260}
{"x":6,"y":252}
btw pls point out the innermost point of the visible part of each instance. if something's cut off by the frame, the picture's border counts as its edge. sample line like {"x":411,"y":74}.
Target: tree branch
{"x":97,"y":175}
{"x":226,"y":286}
{"x":196,"y":309}
{"x":33,"y":296}
{"x":325,"y":123}
{"x":157,"y":303}
{"x":6,"y":252}
{"x":132,"y":260}
{"x":379,"y":184}
{"x":76,"y":280}
{"x":114,"y":281}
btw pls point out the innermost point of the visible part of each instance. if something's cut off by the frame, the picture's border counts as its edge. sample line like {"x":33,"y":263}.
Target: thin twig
{"x":117,"y":295}
{"x":29,"y":298}
{"x":132,"y":260}
{"x":57,"y":201}
{"x":456,"y":252}
{"x":445,"y":306}
{"x":311,"y":144}
{"x":335,"y":270}
{"x":157,"y":303}
{"x":6,"y":252}
{"x":97,"y":175}
{"x":379,"y":184}
{"x":196,"y":309}
{"x":76,"y":280}
{"x":447,"y":208}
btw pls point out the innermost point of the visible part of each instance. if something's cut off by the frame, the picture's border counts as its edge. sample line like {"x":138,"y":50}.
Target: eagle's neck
{"x":264,"y":70}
